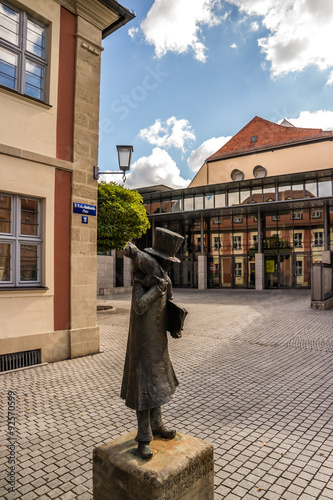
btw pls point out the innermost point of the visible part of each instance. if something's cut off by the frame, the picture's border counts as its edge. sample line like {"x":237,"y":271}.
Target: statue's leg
{"x":144,"y":435}
{"x":157,"y":425}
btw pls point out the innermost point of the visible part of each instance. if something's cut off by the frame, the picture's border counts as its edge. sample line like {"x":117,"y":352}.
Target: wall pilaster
{"x":202,"y":272}
{"x":260,"y":271}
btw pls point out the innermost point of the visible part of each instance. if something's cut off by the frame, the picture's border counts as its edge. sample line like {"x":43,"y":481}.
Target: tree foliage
{"x":121,"y":216}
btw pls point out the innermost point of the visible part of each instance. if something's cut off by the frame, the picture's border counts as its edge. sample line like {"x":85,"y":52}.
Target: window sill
{"x":23,"y":288}
{"x":24,"y":97}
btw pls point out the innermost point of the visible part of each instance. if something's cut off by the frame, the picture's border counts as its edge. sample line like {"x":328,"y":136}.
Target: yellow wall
{"x":31,"y":311}
{"x":24,"y":123}
{"x":303,"y":158}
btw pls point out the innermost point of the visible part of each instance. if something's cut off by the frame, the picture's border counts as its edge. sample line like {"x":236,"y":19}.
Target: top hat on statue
{"x":166,"y":244}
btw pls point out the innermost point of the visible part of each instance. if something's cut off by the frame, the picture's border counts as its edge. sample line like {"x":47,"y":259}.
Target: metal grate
{"x":19,"y":360}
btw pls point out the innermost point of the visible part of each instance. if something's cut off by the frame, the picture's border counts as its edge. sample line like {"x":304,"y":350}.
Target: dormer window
{"x":259,"y":172}
{"x":237,"y":175}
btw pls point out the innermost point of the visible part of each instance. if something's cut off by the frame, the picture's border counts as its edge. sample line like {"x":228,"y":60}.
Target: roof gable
{"x":261,"y":134}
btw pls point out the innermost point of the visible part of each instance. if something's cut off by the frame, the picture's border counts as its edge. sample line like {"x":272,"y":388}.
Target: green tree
{"x":121,"y":216}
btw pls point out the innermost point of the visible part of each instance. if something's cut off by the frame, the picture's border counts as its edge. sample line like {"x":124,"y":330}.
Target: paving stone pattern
{"x":255,"y":372}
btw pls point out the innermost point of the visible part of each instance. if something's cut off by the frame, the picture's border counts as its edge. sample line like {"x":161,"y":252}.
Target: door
{"x":285,"y":270}
{"x":226,"y":271}
{"x":213,"y":280}
{"x":271,"y":271}
{"x":119,"y":268}
{"x":251,"y":272}
{"x":187,"y":276}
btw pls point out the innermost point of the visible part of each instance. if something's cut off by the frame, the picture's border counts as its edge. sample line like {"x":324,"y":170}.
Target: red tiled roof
{"x":261,"y":134}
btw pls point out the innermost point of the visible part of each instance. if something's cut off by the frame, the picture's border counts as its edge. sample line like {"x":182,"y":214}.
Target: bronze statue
{"x":149,"y":380}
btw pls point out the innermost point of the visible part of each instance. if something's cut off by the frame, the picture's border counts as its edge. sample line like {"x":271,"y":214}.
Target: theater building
{"x":258,"y":213}
{"x":50,"y":56}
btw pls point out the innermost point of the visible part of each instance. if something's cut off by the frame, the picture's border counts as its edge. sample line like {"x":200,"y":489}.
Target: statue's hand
{"x":161,"y":284}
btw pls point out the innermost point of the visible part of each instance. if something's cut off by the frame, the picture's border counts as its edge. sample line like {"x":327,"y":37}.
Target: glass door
{"x":285,"y":273}
{"x":187,"y":278}
{"x":271,"y":271}
{"x":252,"y":272}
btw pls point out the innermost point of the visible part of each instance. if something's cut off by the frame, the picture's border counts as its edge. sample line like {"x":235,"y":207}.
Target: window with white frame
{"x":298,"y":215}
{"x":318,"y":239}
{"x":238,"y":269}
{"x":23,"y":52}
{"x":238,"y":220}
{"x":237,"y":242}
{"x":299,"y":268}
{"x":298,"y":240}
{"x":217,"y":242}
{"x":20,"y":241}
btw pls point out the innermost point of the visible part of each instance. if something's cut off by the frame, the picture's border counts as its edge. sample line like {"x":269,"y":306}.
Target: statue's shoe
{"x":145,"y":450}
{"x":164,"y":432}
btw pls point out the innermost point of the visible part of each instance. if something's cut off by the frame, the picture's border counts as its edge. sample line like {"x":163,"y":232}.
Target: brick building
{"x":50,"y":57}
{"x":258,"y":213}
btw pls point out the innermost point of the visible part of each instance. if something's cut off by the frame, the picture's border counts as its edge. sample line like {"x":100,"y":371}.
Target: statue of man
{"x":149,"y":380}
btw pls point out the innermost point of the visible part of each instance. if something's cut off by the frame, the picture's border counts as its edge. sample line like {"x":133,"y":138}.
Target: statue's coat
{"x":149,"y":380}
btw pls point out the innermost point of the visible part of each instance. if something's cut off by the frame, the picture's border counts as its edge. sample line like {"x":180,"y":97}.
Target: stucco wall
{"x":26,"y":124}
{"x":303,"y":158}
{"x":31,"y":311}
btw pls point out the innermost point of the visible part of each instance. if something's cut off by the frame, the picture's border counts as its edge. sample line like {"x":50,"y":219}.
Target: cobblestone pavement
{"x":255,"y":371}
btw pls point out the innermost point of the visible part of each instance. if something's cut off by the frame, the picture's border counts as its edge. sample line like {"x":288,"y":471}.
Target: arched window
{"x":259,"y":172}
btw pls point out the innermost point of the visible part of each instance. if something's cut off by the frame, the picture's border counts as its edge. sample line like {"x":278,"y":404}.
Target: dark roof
{"x":124,"y":16}
{"x":154,"y":189}
{"x":260,"y":134}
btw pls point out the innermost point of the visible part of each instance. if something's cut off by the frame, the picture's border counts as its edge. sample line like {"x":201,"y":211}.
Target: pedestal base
{"x":181,"y":469}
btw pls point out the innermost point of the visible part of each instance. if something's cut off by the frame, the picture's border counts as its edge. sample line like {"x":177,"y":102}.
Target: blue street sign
{"x":82,"y":208}
{"x":84,"y":219}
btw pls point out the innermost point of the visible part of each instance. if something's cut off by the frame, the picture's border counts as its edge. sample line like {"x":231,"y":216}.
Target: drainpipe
{"x":259,"y":230}
{"x":202,"y":235}
{"x":326,"y":229}
{"x":153,"y":232}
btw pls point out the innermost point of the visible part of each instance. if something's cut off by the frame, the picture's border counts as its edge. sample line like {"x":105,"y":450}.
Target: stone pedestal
{"x":181,"y":469}
{"x":326,"y":256}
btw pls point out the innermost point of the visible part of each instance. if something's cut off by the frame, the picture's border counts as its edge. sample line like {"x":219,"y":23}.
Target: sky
{"x":185,"y":76}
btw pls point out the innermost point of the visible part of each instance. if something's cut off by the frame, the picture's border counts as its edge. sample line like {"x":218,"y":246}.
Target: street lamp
{"x":124,"y":159}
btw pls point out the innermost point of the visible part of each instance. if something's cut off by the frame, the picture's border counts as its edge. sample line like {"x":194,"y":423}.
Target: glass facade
{"x":290,"y":226}
{"x":234,"y":196}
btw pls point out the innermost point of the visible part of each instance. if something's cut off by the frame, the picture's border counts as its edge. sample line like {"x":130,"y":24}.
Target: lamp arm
{"x":97,"y":173}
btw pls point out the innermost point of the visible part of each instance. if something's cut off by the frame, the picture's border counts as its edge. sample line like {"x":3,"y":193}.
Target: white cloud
{"x":301,"y":32}
{"x":254,"y":26}
{"x":176,"y":25}
{"x":133,"y":31}
{"x":318,"y":119}
{"x":234,"y":46}
{"x":206,"y":149}
{"x":330,"y":79}
{"x":158,"y":168}
{"x":172,"y":133}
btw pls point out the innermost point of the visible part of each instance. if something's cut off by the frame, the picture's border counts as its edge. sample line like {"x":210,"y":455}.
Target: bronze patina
{"x":149,"y":380}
